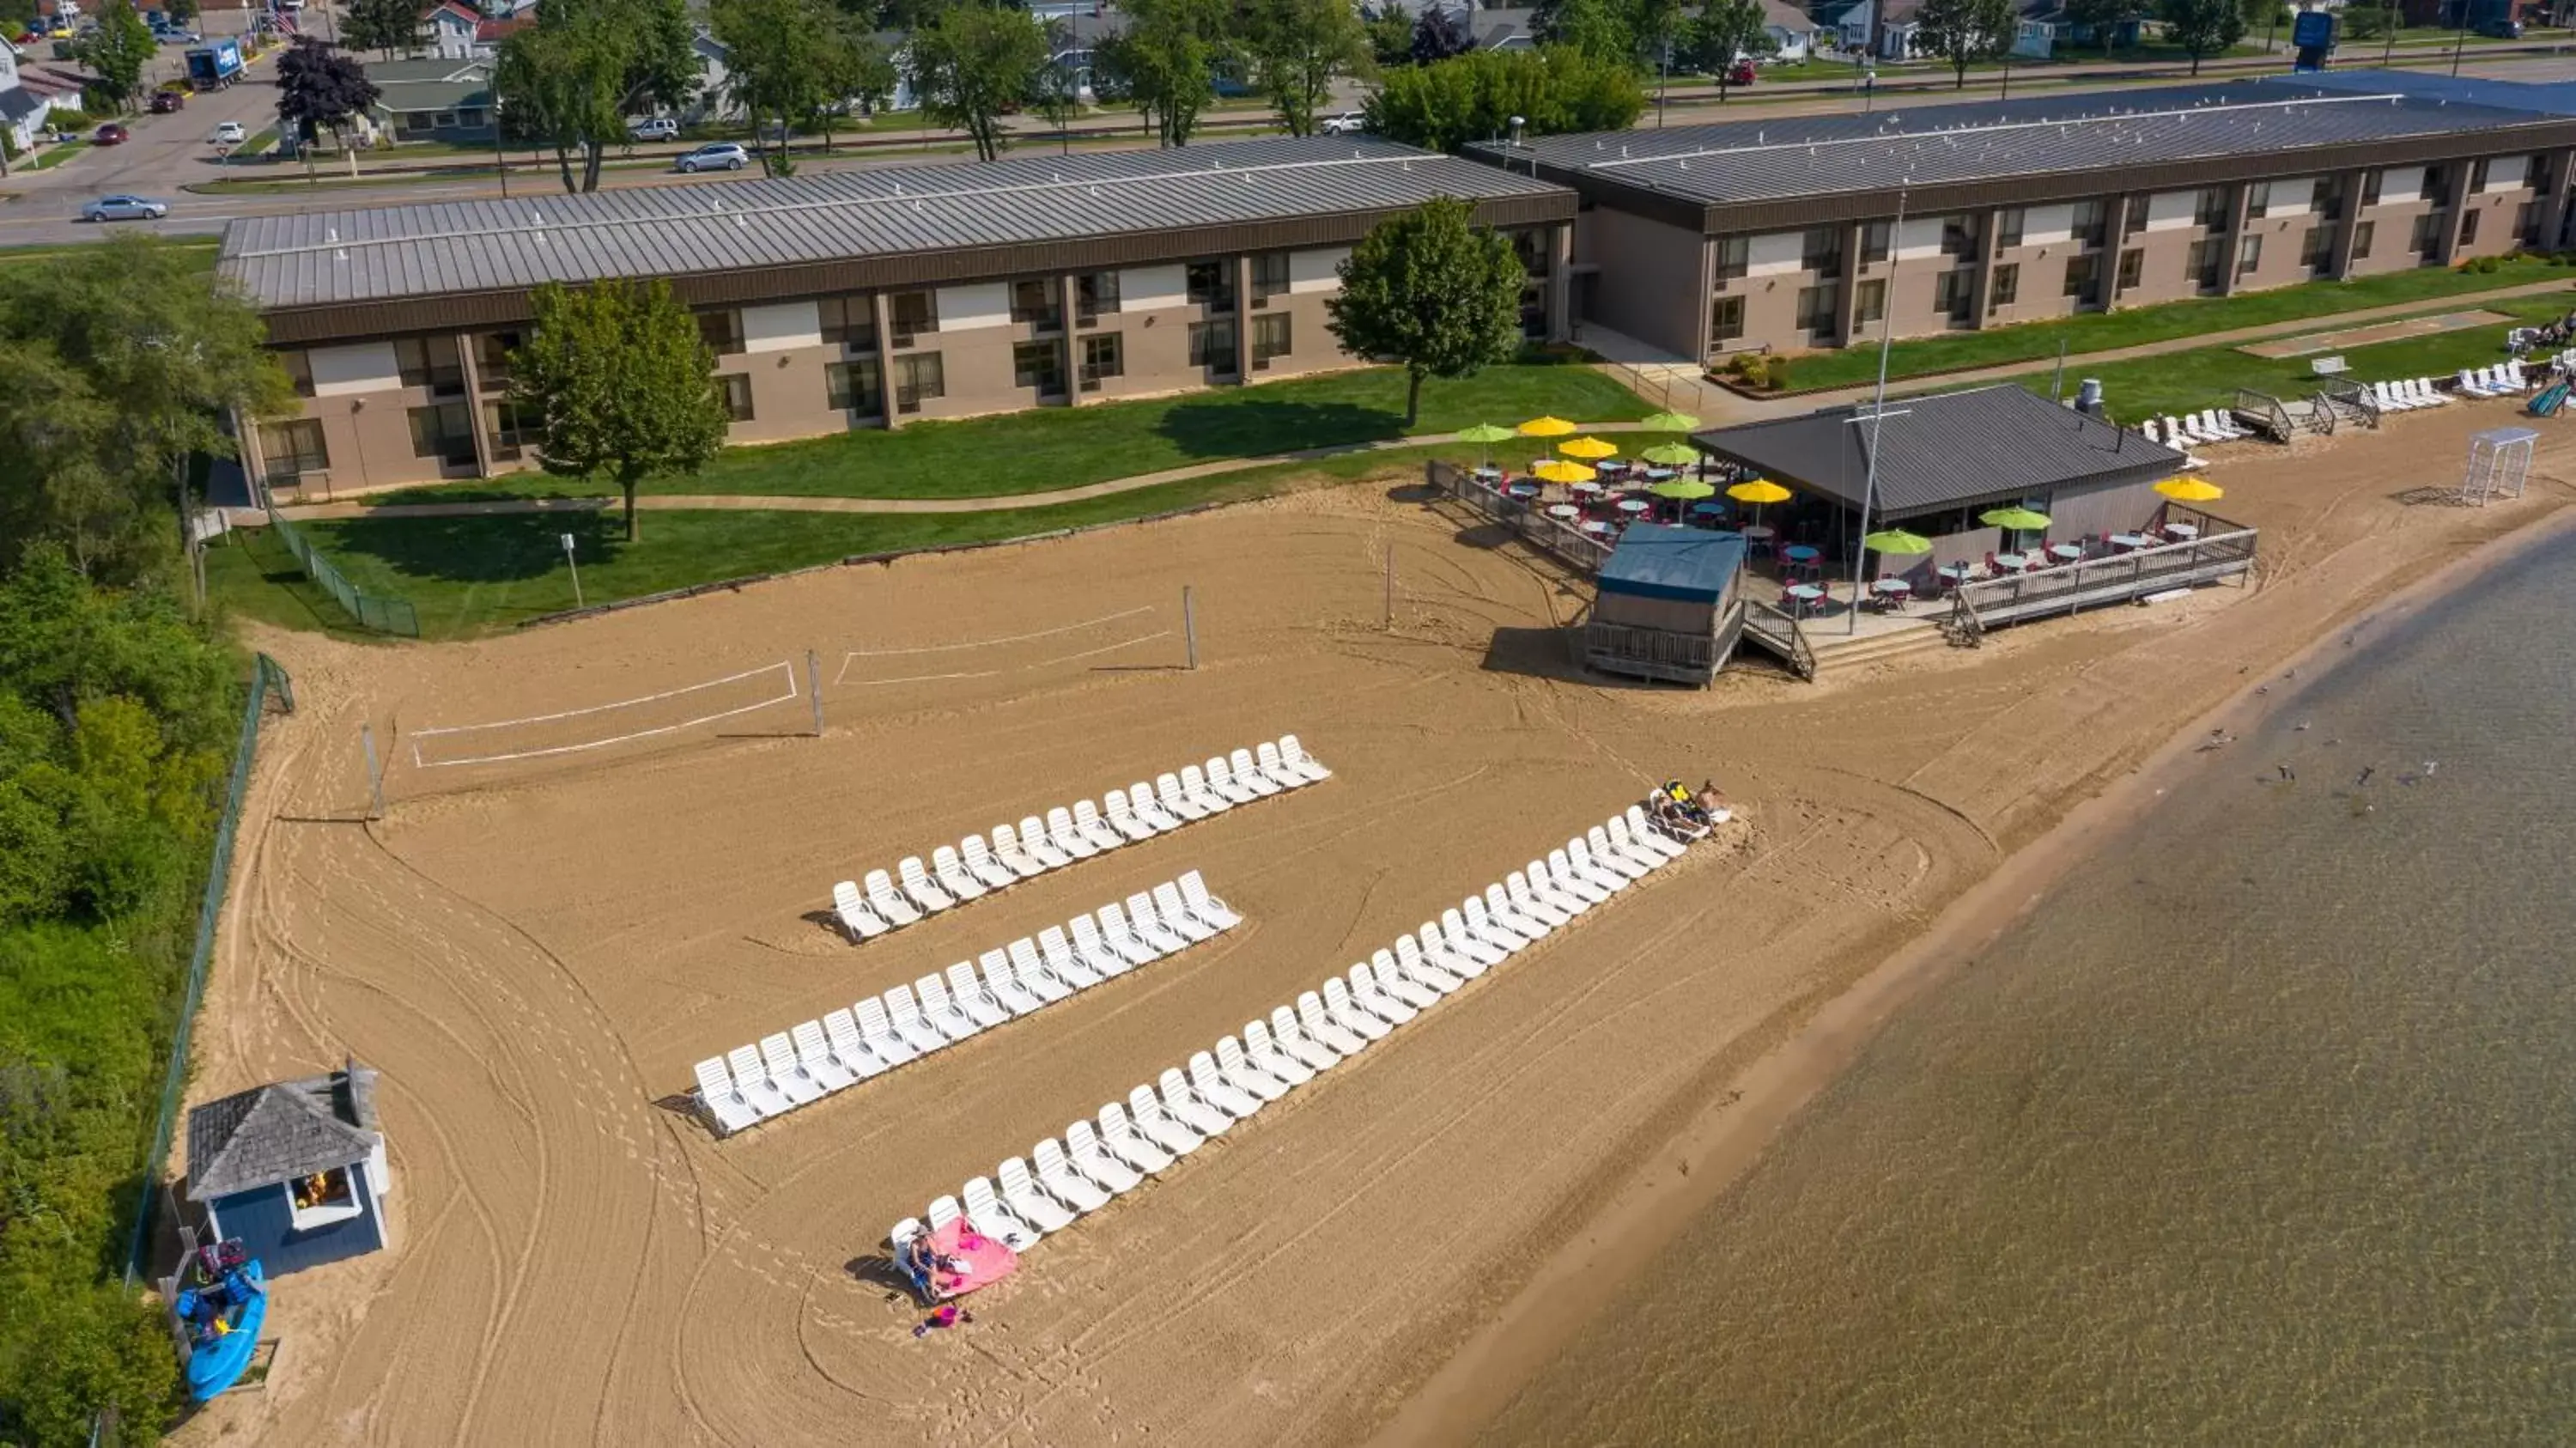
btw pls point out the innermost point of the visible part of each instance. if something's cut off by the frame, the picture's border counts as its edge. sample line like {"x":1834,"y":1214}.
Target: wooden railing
{"x":2352,"y":397}
{"x":2096,"y":581}
{"x":1656,"y":653}
{"x":1779,"y":632}
{"x":1569,"y":545}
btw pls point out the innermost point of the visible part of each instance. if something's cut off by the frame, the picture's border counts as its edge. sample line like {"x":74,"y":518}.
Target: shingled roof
{"x":276,"y":1133}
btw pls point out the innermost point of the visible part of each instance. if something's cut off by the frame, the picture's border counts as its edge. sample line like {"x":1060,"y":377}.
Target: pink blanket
{"x":986,"y":1260}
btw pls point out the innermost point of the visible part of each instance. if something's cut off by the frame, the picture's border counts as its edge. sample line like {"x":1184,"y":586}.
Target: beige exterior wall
{"x":1643,"y":275}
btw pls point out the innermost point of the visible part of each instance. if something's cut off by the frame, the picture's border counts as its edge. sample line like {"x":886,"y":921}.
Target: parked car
{"x":125,"y":208}
{"x":715,"y":156}
{"x":164,"y":102}
{"x":1348,"y":123}
{"x":111,"y":134}
{"x":653,"y":128}
{"x":1740,"y":73}
{"x":2502,"y":27}
{"x":230,"y":133}
{"x":176,"y":36}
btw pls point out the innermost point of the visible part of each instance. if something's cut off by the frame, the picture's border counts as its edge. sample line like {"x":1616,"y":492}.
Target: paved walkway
{"x":701,"y":502}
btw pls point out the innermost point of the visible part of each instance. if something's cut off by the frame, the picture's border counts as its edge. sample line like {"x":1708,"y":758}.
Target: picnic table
{"x":2182,"y":531}
{"x":2127,"y":540}
{"x":2065,"y":552}
{"x":2011,"y":562}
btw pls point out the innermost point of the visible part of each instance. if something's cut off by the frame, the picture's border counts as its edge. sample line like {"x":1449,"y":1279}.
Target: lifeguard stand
{"x":2499,"y":462}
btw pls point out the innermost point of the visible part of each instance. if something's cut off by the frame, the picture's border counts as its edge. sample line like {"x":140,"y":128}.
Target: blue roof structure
{"x":1690,"y":565}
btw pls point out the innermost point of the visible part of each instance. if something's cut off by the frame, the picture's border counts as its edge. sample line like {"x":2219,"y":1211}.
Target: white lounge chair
{"x":1508,"y":914}
{"x":1266,"y":758}
{"x":877,"y":1030}
{"x":727,"y":1109}
{"x":944,"y":1014}
{"x":1644,"y":830}
{"x":1579,"y":850}
{"x":850,"y":1045}
{"x":909,"y":1023}
{"x":918,"y":888}
{"x":1294,"y":1039}
{"x":1566,"y":875}
{"x":1033,"y":971}
{"x":1058,"y":954}
{"x":1482,"y":924}
{"x":1366,"y":983}
{"x":1169,"y":908}
{"x":1014,"y":855}
{"x":1237,"y":1069}
{"x":941,"y":1212}
{"x":1433,"y":945}
{"x":976,"y":998}
{"x":787,"y":1073}
{"x":1067,"y":836}
{"x":1202,"y":791}
{"x":2474,"y":384}
{"x":1149,"y":807}
{"x":1271,"y":1057}
{"x":1123,"y":817}
{"x":1029,"y":1202}
{"x":1485,"y":947}
{"x":893,"y":908}
{"x":1084,"y":1154}
{"x":991,"y":873}
{"x":2514,"y":380}
{"x":2152,"y":429}
{"x":1211,"y":1106}
{"x":1129,"y":1147}
{"x":1559,"y":893}
{"x":1121,"y":937}
{"x":1596,"y":840}
{"x":1041,"y":846}
{"x":1207,"y":907}
{"x":1299,"y":760}
{"x":1093,"y":951}
{"x":1183,"y":804}
{"x":2218,"y":421}
{"x":1373,"y":1016}
{"x":1220,"y":777}
{"x":1625,"y":841}
{"x":751,"y":1082}
{"x":1240,"y":764}
{"x":954,"y":880}
{"x":1149,"y":925}
{"x":1147,"y":1119}
{"x":903,"y":1233}
{"x":1526,"y":899}
{"x":1086,"y":818}
{"x":1061,"y":1181}
{"x":1004,"y":983}
{"x":815,"y":1054}
{"x":1327,"y":1030}
{"x":1406,"y":962}
{"x":986,"y":1214}
{"x":857,"y":920}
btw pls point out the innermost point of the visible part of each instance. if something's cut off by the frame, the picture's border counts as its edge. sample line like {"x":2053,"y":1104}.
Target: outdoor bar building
{"x":852,"y":299}
{"x":1795,"y":232}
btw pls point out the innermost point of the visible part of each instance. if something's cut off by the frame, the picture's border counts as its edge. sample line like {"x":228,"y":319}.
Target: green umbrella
{"x":1669,"y":422}
{"x":2019,"y":520}
{"x":1671,"y":454}
{"x":1485,"y":435}
{"x":1684,"y":488}
{"x":1897,"y":540}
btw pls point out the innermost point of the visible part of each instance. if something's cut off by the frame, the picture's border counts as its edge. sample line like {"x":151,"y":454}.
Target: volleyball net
{"x":603,"y":726}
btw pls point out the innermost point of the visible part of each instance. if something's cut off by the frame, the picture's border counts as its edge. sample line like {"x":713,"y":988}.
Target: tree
{"x":1474,"y":96}
{"x":1164,"y":63}
{"x":2106,"y":18}
{"x":98,"y":1347}
{"x":623,"y":381}
{"x":971,"y":64}
{"x":385,"y":25}
{"x":1441,"y":34}
{"x":179,"y":11}
{"x":1602,"y":29}
{"x":2202,"y":27}
{"x":2368,"y":22}
{"x":16,"y":17}
{"x":319,"y":89}
{"x":1298,"y":49}
{"x":1433,"y":291}
{"x":1390,"y":36}
{"x":571,"y":80}
{"x":1724,"y":30}
{"x":117,"y":51}
{"x":778,"y":64}
{"x":1965,"y":31}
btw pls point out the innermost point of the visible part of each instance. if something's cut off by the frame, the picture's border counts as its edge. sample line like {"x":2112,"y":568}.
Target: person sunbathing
{"x":922,"y":1263}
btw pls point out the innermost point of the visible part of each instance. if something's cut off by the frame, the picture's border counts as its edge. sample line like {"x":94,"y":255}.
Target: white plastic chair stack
{"x":1006,"y":854}
{"x":845,"y":1047}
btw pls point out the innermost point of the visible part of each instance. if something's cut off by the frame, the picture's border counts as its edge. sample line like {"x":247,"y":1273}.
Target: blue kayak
{"x":216,"y":1361}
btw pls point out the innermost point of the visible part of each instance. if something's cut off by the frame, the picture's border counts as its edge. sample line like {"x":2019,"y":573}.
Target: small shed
{"x":1667,"y":605}
{"x":295,"y":1169}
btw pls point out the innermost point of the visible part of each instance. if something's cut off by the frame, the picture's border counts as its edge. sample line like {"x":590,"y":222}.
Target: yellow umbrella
{"x":2191,"y":490}
{"x":1546,"y":427}
{"x":1759,"y":490}
{"x":1588,"y":447}
{"x":1560,"y":472}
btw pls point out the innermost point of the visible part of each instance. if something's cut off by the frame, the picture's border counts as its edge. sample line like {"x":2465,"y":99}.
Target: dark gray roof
{"x":1992,"y":444}
{"x":2544,"y":98}
{"x":16,"y":104}
{"x":325,"y":257}
{"x":276,"y":1133}
{"x":1782,"y":157}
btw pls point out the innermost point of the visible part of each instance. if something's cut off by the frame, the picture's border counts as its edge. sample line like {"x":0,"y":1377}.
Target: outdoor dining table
{"x":1563,"y":510}
{"x":1708,"y":510}
{"x":1659,"y":475}
{"x":1583,"y":489}
{"x":1806,"y":595}
{"x":2184,"y":531}
{"x":1633,"y":506}
{"x":1596,"y":527}
{"x":1890,"y":587}
{"x":1956,"y":573}
{"x":1757,"y":532}
{"x":2065,"y":552}
{"x":2011,"y":562}
{"x":2127,"y":540}
{"x":1800,"y":553}
{"x":1523,"y":491}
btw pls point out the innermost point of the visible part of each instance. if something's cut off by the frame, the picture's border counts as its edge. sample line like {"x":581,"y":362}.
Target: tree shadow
{"x":505,"y":548}
{"x":1231,"y":425}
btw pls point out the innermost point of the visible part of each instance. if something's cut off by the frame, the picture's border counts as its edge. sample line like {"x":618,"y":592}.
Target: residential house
{"x":22,"y":111}
{"x":449,"y":28}
{"x":1899,"y":37}
{"x":434,"y":100}
{"x":1794,"y":33}
{"x":295,"y":1169}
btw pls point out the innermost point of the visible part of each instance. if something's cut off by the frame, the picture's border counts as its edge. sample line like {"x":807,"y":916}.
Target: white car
{"x":1348,"y":123}
{"x":230,"y":133}
{"x":653,"y":128}
{"x":125,"y":208}
{"x":715,"y":156}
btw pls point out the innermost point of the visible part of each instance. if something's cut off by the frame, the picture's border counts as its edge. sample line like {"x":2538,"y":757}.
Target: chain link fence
{"x":384,"y":615}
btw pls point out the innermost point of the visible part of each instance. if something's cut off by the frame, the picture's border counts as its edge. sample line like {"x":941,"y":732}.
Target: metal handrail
{"x":2075,"y":583}
{"x":1781,"y":629}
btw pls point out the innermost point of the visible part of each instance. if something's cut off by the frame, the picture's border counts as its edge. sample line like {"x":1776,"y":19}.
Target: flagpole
{"x":1878,"y":406}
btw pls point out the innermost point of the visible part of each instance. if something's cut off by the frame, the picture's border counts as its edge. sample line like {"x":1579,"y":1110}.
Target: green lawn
{"x":56,"y":155}
{"x":2138,"y":326}
{"x":1028,"y":452}
{"x":200,"y":252}
{"x":2179,"y":382}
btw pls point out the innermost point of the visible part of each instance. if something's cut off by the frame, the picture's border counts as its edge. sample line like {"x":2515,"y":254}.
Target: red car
{"x":164,"y":102}
{"x":1741,"y":73}
{"x":111,"y":134}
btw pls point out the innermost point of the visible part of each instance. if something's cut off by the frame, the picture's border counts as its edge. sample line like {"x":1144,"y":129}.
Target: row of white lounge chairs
{"x":2504,"y":379}
{"x":2406,"y":396}
{"x":974,"y":867}
{"x":815,"y":1059}
{"x":1027,"y":1198}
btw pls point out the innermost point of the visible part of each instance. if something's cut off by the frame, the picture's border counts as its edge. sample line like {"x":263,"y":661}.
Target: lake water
{"x":2261,"y":1130}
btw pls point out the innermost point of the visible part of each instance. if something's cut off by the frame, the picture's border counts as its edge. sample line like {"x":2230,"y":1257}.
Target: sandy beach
{"x":535,"y":952}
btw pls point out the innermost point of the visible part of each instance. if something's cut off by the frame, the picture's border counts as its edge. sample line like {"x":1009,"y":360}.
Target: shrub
{"x":1779,"y":373}
{"x":67,"y":118}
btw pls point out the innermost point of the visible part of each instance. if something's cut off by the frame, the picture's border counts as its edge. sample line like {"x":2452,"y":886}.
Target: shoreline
{"x":1722,"y":1140}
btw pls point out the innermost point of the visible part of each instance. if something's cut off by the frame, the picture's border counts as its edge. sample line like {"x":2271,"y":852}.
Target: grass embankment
{"x":2178,"y":382}
{"x":197,"y":253}
{"x":1050,"y":448}
{"x":2140,"y":326}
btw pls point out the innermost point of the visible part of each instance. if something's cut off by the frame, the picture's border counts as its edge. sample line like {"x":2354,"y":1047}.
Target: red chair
{"x":1993,"y":569}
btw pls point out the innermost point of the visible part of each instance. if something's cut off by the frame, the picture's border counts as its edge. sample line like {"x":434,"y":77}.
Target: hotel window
{"x":2007,"y":288}
{"x":1102,"y":357}
{"x":2086,"y":223}
{"x":292,"y":449}
{"x":2468,"y":225}
{"x":2008,"y":228}
{"x":2526,"y":223}
{"x":736,"y":387}
{"x":1269,"y":275}
{"x":1954,"y":294}
{"x":1734,"y":256}
{"x":1211,"y":284}
{"x":1820,"y":249}
{"x":2478,"y":175}
{"x":492,"y":359}
{"x":1095,"y":294}
{"x":1958,"y":235}
{"x":1869,"y":303}
{"x":1039,"y":365}
{"x":721,"y":331}
{"x":2133,"y":268}
{"x":1212,"y":346}
{"x":515,"y":428}
{"x":1726,"y":321}
{"x":1531,"y":245}
{"x":2361,"y":239}
{"x":1876,"y":239}
{"x":1033,"y":301}
{"x":2249,"y":256}
{"x":2535,"y":171}
{"x":855,"y":386}
{"x":2200,"y":266}
{"x":850,"y":320}
{"x":2084,"y":279}
{"x":2431,"y":190}
{"x":430,"y":362}
{"x":2135,"y":220}
{"x":1270,"y":338}
{"x":1816,"y":308}
{"x":2428,"y":235}
{"x":918,"y":378}
{"x":912,"y":313}
{"x":2370,"y":188}
{"x":444,"y":431}
{"x":299,"y":370}
{"x":2209,"y":208}
{"x":2258,"y":199}
{"x":2313,"y":249}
